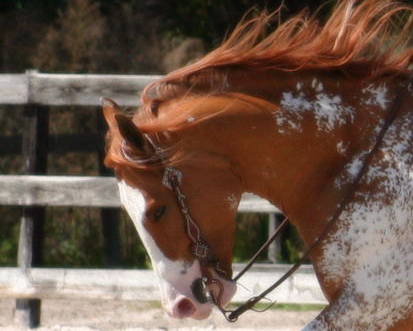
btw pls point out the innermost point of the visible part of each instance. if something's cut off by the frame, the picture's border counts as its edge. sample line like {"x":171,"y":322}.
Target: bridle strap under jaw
{"x":262,"y":248}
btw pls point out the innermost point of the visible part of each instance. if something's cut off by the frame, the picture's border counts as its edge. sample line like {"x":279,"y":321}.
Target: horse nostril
{"x":185,"y":308}
{"x":200,"y":291}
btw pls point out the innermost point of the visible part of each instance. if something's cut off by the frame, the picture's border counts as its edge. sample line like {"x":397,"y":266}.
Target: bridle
{"x":172,"y":178}
{"x":200,"y":250}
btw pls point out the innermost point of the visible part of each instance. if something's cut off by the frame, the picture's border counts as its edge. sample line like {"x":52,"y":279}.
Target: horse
{"x":314,"y":116}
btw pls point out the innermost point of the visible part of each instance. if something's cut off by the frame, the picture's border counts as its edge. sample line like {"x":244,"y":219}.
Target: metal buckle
{"x":200,"y":250}
{"x":170,"y":174}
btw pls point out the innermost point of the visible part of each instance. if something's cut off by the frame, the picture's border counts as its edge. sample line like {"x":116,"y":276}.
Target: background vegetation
{"x":110,"y":36}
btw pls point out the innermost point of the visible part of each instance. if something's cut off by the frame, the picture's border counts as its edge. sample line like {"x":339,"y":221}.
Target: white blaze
{"x":174,"y":277}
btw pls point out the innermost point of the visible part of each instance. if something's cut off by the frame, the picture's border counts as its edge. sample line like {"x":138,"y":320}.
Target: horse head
{"x":169,"y":229}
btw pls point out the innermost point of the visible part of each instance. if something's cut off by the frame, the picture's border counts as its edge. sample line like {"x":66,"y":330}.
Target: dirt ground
{"x":64,"y":315}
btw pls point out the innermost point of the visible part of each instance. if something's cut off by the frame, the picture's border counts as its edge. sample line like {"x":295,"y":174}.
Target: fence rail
{"x":36,"y":91}
{"x":62,"y":90}
{"x":42,"y":283}
{"x":80,"y":191}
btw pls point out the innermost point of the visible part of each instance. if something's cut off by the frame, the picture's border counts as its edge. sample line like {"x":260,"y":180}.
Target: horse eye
{"x":159,"y":212}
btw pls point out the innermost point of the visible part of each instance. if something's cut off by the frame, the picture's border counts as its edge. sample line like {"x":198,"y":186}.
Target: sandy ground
{"x":64,"y":315}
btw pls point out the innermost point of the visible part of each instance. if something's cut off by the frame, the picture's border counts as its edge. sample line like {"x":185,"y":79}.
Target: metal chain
{"x":172,"y":179}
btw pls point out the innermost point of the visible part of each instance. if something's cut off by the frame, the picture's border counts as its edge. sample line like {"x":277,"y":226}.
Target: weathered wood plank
{"x":86,"y":90}
{"x":253,"y":203}
{"x":71,"y":89}
{"x":101,"y":284}
{"x":34,"y":149}
{"x":58,"y":191}
{"x":14,"y":89}
{"x":82,"y":191}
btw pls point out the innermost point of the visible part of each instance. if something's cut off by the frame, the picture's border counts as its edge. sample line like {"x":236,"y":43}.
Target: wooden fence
{"x":34,"y":190}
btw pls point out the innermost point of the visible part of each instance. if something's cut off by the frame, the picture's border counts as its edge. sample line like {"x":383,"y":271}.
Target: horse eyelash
{"x":159,"y":212}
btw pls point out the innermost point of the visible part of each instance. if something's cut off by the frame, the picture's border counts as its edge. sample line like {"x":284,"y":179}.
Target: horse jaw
{"x":174,"y":277}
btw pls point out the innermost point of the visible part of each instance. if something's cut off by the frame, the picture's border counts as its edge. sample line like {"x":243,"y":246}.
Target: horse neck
{"x":304,"y":136}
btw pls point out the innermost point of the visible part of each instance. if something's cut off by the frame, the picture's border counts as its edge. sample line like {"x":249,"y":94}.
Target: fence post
{"x":110,"y":216}
{"x":274,"y":249}
{"x":34,"y":149}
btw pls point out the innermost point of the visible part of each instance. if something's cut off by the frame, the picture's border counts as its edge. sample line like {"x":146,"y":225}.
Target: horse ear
{"x":124,"y":125}
{"x":110,"y":109}
{"x":129,"y":132}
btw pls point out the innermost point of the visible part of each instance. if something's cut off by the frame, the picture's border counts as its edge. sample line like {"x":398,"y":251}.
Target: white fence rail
{"x":80,"y":191}
{"x":42,"y":283}
{"x":80,"y":90}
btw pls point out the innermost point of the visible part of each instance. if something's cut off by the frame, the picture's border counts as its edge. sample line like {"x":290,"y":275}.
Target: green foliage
{"x":11,"y":125}
{"x":133,"y":251}
{"x":9,"y":233}
{"x":73,"y":238}
{"x":251,"y":233}
{"x":292,"y":248}
{"x":73,"y":44}
{"x":211,"y":20}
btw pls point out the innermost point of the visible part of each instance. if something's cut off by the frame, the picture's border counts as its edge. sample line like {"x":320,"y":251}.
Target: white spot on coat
{"x":372,"y":249}
{"x":233,"y":202}
{"x":341,"y":148}
{"x":376,"y":96}
{"x":328,"y":111}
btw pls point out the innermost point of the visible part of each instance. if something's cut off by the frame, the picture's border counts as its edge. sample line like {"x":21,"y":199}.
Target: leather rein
{"x":172,"y":178}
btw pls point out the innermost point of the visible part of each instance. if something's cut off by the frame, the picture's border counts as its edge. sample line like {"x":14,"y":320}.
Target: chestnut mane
{"x":360,"y":39}
{"x":363,"y":39}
